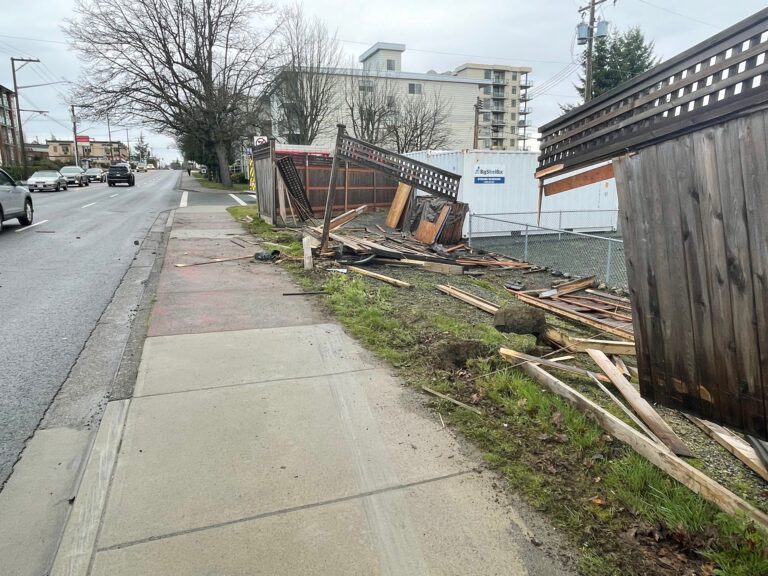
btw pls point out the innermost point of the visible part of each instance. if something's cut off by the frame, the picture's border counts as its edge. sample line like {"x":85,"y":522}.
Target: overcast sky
{"x":438,"y":34}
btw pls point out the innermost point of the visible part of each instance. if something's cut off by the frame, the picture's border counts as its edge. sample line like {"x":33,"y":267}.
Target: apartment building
{"x":95,"y":150}
{"x":504,"y":105}
{"x":9,"y":139}
{"x":502,"y":90}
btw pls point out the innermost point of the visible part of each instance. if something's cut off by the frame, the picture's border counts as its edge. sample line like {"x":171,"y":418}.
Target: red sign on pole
{"x":83,"y":139}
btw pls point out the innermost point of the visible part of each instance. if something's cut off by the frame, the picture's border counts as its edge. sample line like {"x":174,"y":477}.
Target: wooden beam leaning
{"x":573,"y":344}
{"x":332,"y":187}
{"x":656,"y":454}
{"x":640,"y":405}
{"x":598,"y":174}
{"x":387,"y":279}
{"x":511,"y":355}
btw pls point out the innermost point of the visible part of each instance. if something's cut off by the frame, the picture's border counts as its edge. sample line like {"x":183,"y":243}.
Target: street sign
{"x":83,"y":138}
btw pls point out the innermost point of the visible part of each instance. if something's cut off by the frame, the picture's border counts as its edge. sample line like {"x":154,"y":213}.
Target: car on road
{"x":141,"y":167}
{"x":46,"y":180}
{"x":74,"y":175}
{"x":120,"y":174}
{"x":15,"y":201}
{"x":96,"y":175}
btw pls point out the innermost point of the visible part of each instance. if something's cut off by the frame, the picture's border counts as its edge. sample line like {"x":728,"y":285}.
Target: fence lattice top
{"x":723,"y":77}
{"x":418,"y":174}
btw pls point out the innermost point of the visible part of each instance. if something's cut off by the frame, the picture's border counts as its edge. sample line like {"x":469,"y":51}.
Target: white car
{"x":43,"y":180}
{"x":15,"y":201}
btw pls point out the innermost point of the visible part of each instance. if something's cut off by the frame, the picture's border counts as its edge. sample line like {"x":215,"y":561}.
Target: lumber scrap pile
{"x":577,"y":301}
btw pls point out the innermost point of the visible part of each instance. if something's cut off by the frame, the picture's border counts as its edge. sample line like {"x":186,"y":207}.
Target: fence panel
{"x":599,"y":254}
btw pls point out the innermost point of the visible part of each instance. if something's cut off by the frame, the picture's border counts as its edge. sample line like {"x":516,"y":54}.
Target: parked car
{"x":120,"y":173}
{"x":15,"y":201}
{"x":74,"y":175}
{"x":96,"y":175}
{"x":46,"y":180}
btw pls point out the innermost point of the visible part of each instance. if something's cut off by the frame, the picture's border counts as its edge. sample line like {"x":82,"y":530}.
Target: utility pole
{"x":478,"y":105}
{"x":22,"y":152}
{"x":590,"y":46}
{"x":74,"y":135}
{"x":128,"y":143}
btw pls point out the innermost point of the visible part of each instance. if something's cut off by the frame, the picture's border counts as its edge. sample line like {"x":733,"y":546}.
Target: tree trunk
{"x":222,"y":156}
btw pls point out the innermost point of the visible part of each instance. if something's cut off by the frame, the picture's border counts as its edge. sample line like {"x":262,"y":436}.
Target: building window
{"x":514,"y":89}
{"x":366,"y":86}
{"x":55,"y":149}
{"x":487,"y":74}
{"x":514,"y":76}
{"x":513,"y":103}
{"x":414,"y":88}
{"x":390,"y":64}
{"x":486,"y":90}
{"x":486,"y":116}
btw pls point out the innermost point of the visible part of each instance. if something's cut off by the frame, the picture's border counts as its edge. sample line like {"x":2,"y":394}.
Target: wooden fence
{"x":695,"y":225}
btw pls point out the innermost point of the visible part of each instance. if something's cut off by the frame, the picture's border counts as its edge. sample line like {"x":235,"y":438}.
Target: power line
{"x":665,"y":9}
{"x":34,"y":39}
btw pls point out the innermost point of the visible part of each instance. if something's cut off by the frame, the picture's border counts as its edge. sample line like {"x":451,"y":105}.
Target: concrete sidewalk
{"x":261,"y":439}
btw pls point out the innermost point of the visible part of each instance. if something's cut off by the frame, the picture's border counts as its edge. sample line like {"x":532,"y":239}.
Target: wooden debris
{"x":475,"y":301}
{"x":564,"y":310}
{"x":657,"y":454}
{"x":640,"y":405}
{"x":347,"y":217}
{"x":632,"y":416}
{"x":310,"y":293}
{"x":399,"y":204}
{"x":215,"y":261}
{"x":308,"y":260}
{"x":574,"y":344}
{"x":735,"y":444}
{"x":444,"y":397}
{"x":427,"y":231}
{"x":619,"y":363}
{"x":387,"y":279}
{"x":760,"y":447}
{"x":458,"y":247}
{"x":568,"y":287}
{"x":514,"y":356}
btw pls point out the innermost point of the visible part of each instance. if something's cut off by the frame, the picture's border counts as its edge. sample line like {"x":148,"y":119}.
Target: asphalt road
{"x":56,"y":279}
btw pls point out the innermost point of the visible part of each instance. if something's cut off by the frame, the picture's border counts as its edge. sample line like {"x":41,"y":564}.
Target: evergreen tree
{"x":616,"y":59}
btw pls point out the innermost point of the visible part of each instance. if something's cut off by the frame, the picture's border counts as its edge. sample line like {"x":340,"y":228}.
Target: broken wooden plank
{"x":640,"y":405}
{"x":475,"y":301}
{"x":511,"y":355}
{"x":574,"y":344}
{"x":387,"y":279}
{"x":592,"y":176}
{"x":214,"y":261}
{"x":452,"y":400}
{"x":427,"y":231}
{"x":347,"y":217}
{"x":568,"y":287}
{"x":657,"y":454}
{"x":620,"y":330}
{"x":622,"y":367}
{"x":631,"y":415}
{"x":309,"y":262}
{"x":399,"y":203}
{"x":733,"y":443}
{"x":450,"y":269}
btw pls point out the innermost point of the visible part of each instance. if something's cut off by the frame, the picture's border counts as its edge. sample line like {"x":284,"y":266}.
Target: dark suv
{"x":120,"y":173}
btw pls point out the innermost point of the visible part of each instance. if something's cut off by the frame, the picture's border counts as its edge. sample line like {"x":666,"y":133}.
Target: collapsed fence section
{"x":599,"y":253}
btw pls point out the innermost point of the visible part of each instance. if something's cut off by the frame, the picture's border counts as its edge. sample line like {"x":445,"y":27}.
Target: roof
{"x":523,"y":69}
{"x":5,"y":90}
{"x":381,"y":46}
{"x":409,"y":76}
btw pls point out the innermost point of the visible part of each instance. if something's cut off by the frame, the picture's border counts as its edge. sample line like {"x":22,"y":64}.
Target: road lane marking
{"x":236,"y":199}
{"x":113,"y":195}
{"x":184,"y":196}
{"x":253,"y":196}
{"x":31,"y":226}
{"x":86,"y":206}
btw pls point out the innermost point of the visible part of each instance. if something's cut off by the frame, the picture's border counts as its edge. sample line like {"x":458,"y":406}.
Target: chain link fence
{"x":596,"y":249}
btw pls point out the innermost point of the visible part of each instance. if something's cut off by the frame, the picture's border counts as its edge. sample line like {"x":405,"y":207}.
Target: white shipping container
{"x":502,"y":183}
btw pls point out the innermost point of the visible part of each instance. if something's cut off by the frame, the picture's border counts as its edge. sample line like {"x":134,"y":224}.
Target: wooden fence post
{"x":332,"y":187}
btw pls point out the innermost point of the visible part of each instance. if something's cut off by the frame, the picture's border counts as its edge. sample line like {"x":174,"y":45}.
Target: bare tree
{"x":179,"y":66}
{"x":305,"y":89}
{"x":369,"y":101}
{"x":419,"y":122}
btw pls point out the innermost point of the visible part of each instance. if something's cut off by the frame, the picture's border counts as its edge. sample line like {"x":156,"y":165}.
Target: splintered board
{"x":399,"y":204}
{"x":427,"y":231}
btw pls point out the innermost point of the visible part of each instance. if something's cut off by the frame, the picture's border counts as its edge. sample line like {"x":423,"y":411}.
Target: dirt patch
{"x":453,"y":355}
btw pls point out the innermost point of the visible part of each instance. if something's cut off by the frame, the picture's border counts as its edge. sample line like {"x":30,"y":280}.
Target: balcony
{"x":523,"y":124}
{"x":525,"y":97}
{"x":524,"y":111}
{"x":498,"y":122}
{"x":500,"y":81}
{"x":499,"y":95}
{"x":526,"y":83}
